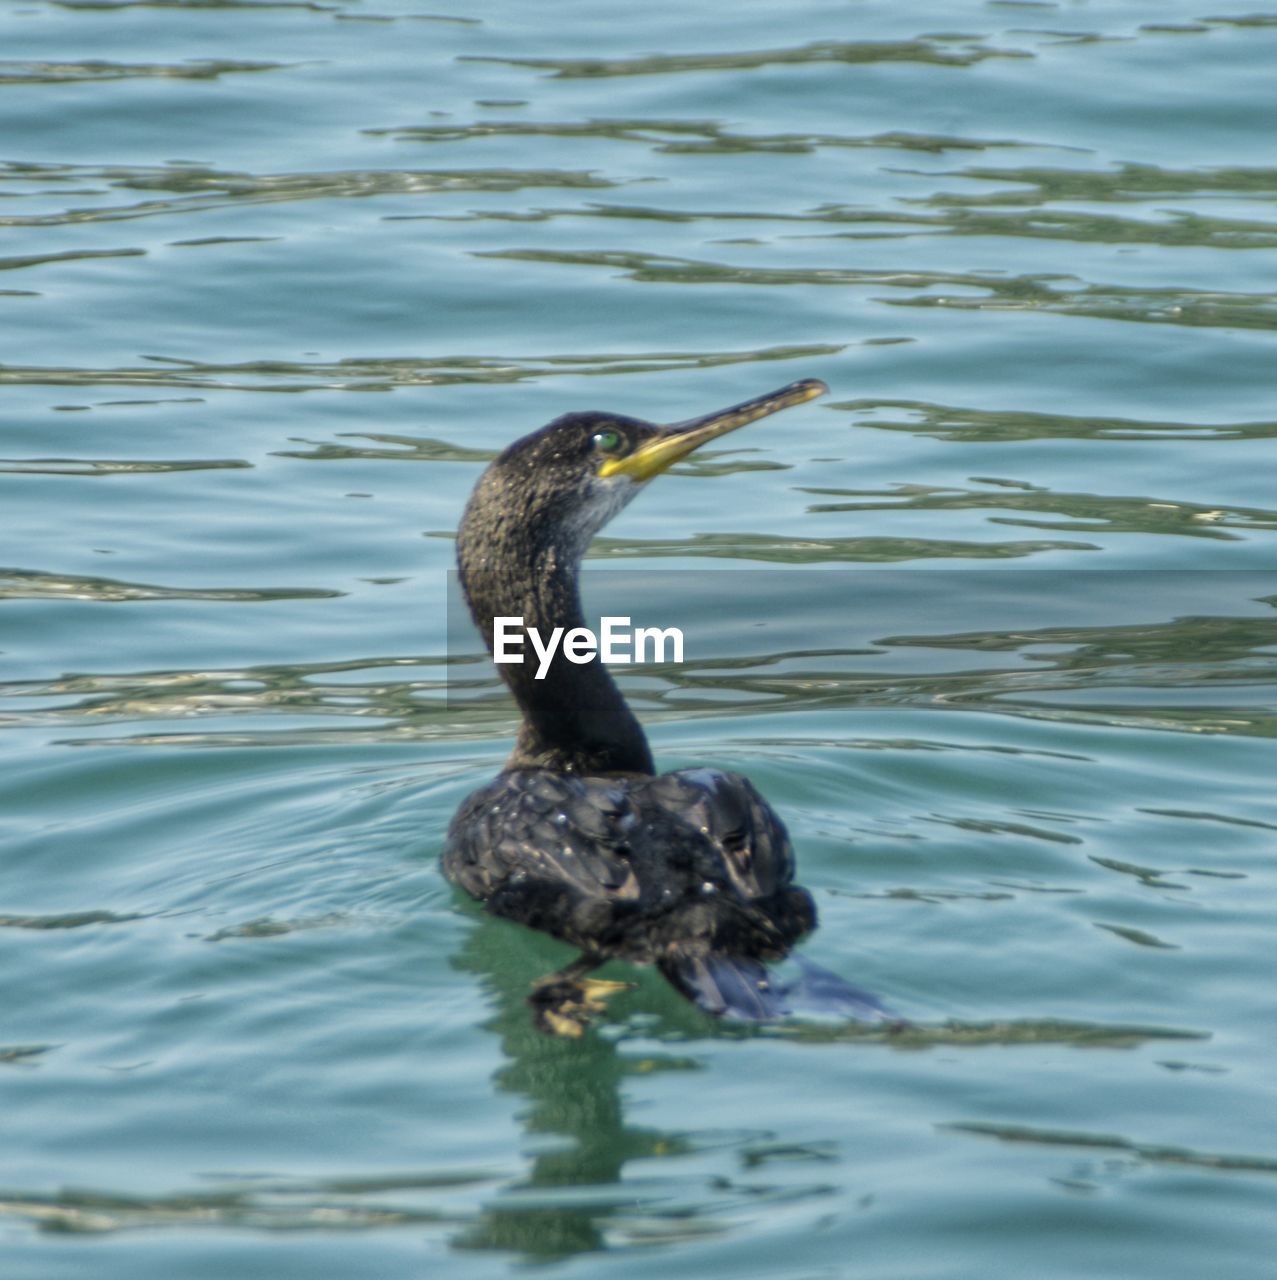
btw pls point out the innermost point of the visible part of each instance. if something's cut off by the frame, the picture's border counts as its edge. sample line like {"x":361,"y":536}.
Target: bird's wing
{"x":742,"y":839}
{"x":536,"y":837}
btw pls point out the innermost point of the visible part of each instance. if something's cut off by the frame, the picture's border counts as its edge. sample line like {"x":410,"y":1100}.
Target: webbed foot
{"x":564,"y":1003}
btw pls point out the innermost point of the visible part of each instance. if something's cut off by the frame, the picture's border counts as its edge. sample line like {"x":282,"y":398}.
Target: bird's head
{"x":560,"y":485}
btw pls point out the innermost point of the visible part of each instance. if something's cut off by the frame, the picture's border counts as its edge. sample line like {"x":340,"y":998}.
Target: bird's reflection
{"x":577,"y":1196}
{"x":575,"y":1119}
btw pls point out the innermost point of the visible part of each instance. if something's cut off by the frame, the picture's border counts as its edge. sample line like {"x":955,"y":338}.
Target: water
{"x":991,"y":625}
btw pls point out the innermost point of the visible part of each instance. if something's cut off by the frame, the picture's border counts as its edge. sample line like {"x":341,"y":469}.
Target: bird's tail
{"x":729,"y":986}
{"x":726,"y":986}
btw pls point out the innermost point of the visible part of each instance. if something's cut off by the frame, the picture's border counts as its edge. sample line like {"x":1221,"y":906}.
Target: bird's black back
{"x":663,"y":869}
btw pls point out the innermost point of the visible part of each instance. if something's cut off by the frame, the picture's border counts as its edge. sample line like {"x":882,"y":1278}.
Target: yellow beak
{"x":677,"y":441}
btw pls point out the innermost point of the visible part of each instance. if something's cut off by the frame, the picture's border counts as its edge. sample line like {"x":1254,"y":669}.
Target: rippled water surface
{"x":992,"y":625}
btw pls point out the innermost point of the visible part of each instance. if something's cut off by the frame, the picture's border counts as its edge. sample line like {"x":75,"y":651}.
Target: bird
{"x":579,"y":836}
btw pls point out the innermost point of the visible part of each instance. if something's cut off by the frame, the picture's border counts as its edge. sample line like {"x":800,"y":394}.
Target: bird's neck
{"x":574,"y":717}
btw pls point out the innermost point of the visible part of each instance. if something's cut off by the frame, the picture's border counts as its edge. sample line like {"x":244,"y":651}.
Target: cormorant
{"x":578,"y":836}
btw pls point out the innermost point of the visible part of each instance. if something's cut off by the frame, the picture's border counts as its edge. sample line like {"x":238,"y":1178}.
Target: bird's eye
{"x":608,"y":441}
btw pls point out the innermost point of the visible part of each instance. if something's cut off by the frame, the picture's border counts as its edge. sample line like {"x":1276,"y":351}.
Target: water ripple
{"x":1172,"y":228}
{"x":196,"y":188}
{"x":68,"y":920}
{"x":276,"y":1206}
{"x":22,"y":1053}
{"x":950,"y":51}
{"x":982,"y":426}
{"x":70,"y":255}
{"x":99,"y":70}
{"x":1140,"y":937}
{"x":1053,"y":293}
{"x":1194,"y":674}
{"x":1169,"y":228}
{"x":334,"y":8}
{"x":807,"y":549}
{"x":1124,"y":182}
{"x":1109,"y":1142}
{"x":28,"y":584}
{"x":386,"y":373}
{"x":689,"y":137}
{"x":1082,"y":512}
{"x":115,"y":467}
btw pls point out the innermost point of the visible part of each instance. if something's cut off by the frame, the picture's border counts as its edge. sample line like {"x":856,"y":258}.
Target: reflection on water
{"x":1181,"y":229}
{"x":1197,"y":673}
{"x":573,"y":1184}
{"x":598,"y":1172}
{"x":578,"y":1195}
{"x":385,"y":374}
{"x":14,"y":73}
{"x":73,"y":920}
{"x":1145,"y":1152}
{"x":812,"y":550}
{"x":947,"y":51}
{"x":349,"y":1205}
{"x":196,"y":189}
{"x":1124,"y":183}
{"x":983,"y":426}
{"x":70,"y":255}
{"x":114,"y":467}
{"x":1085,"y":512}
{"x":1168,"y":228}
{"x":337,"y":9}
{"x":1047,"y":293}
{"x":580,"y":1192}
{"x":30,"y":584}
{"x":684,"y":137}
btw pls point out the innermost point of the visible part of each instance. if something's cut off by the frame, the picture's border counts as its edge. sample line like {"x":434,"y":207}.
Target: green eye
{"x":607,"y":441}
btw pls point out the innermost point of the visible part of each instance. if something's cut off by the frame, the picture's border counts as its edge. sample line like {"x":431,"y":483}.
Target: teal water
{"x":992,"y":625}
